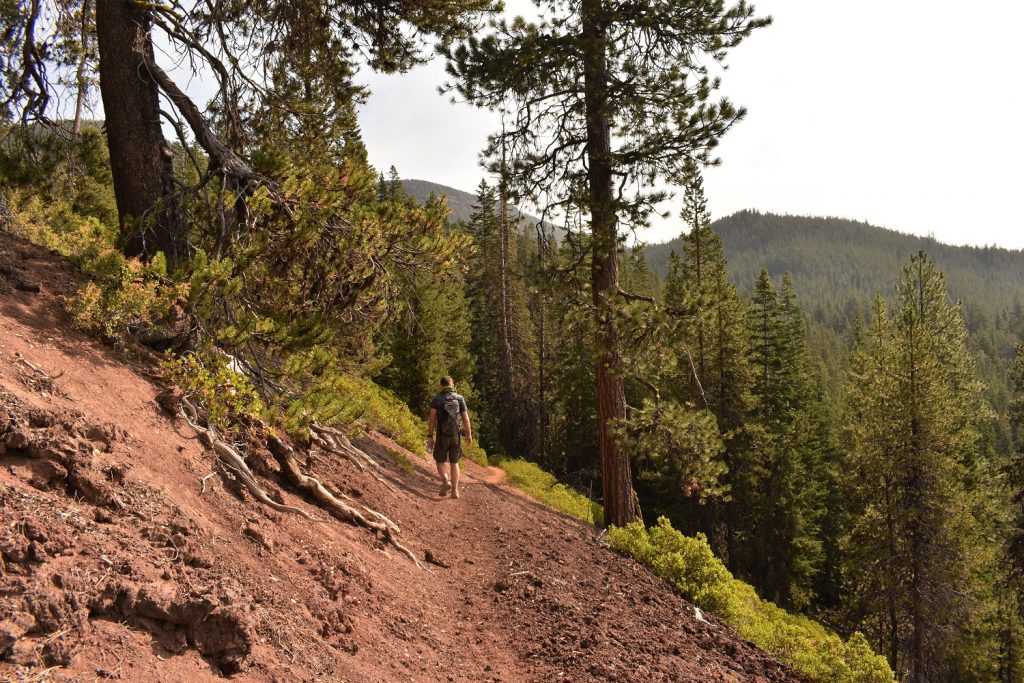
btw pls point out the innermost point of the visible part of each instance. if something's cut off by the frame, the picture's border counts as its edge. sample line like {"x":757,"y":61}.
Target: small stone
{"x":28,"y":286}
{"x":24,"y":654}
{"x":45,"y":473}
{"x":18,"y":439}
{"x":34,"y":532}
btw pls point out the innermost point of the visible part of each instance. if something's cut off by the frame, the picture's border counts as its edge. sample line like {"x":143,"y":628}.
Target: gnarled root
{"x":233,"y":460}
{"x":334,"y":441}
{"x":285,"y":456}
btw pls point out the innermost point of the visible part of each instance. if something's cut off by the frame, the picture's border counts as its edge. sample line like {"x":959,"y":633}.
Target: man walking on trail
{"x":449,"y":414}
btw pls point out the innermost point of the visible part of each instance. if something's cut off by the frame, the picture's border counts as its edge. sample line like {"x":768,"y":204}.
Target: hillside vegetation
{"x":834,"y":261}
{"x":839,"y":474}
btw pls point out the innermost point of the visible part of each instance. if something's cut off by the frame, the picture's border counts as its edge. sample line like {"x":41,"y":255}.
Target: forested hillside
{"x":839,"y":266}
{"x":461,"y":204}
{"x":834,"y":261}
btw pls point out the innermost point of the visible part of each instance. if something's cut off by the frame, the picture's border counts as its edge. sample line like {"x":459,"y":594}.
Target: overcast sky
{"x":902,"y":113}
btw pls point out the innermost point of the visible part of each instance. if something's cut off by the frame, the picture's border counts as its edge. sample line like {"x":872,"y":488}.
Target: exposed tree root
{"x":334,"y":441}
{"x":327,"y":438}
{"x":234,"y":462}
{"x":285,"y":456}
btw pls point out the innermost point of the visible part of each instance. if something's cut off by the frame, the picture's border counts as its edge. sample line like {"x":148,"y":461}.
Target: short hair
{"x":447,"y":381}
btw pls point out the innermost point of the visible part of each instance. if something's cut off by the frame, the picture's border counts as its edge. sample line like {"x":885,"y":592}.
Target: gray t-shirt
{"x":438,"y":402}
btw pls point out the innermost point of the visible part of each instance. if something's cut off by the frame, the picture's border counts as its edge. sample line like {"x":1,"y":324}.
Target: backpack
{"x":450,"y":415}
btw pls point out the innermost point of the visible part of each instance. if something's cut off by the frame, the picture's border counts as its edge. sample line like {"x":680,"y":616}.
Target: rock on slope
{"x":122,"y":559}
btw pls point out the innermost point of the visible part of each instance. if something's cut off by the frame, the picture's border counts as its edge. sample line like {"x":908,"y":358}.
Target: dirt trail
{"x":123,"y":560}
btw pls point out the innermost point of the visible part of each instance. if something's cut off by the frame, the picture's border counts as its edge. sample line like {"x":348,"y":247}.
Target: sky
{"x":901,"y":113}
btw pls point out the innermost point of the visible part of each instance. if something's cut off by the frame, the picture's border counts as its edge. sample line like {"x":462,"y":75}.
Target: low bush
{"x":545,"y":488}
{"x":124,"y":295}
{"x":358,"y":403}
{"x":227,"y":396}
{"x":76,"y":218}
{"x":473,"y":451}
{"x":694,"y":571}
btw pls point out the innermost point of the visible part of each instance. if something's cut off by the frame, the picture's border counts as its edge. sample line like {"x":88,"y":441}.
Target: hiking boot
{"x":445,"y":487}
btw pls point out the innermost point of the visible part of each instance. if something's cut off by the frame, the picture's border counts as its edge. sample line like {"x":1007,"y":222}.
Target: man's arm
{"x":467,"y":428}
{"x":430,"y":427}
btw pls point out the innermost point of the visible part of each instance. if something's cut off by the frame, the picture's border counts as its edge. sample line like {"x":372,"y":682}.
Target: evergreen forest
{"x":830,"y":410}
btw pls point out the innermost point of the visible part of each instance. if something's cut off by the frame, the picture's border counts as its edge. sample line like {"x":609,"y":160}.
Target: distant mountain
{"x":834,"y":261}
{"x":461,"y":202}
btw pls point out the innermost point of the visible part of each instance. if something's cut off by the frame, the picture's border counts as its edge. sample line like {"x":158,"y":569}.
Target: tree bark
{"x":81,"y":79}
{"x":616,"y":477}
{"x":542,"y":405}
{"x":140,"y":160}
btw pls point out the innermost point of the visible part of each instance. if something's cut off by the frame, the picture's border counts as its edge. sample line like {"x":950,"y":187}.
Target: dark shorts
{"x":447,"y":448}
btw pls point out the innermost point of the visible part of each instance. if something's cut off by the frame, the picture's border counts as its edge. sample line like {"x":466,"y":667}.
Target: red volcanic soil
{"x":122,"y":558}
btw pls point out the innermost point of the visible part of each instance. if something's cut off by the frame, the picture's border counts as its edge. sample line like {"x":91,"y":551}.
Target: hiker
{"x":449,"y":413}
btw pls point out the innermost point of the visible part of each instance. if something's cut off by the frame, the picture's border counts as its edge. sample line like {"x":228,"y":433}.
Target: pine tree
{"x":1012,"y":598}
{"x":710,"y":341}
{"x":574,"y":444}
{"x":1015,"y":471}
{"x":782,"y":487}
{"x":502,"y":327}
{"x":916,"y":406}
{"x":430,"y":336}
{"x":587,"y":69}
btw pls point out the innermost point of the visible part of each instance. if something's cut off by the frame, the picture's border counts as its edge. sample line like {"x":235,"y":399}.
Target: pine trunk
{"x":81,"y":82}
{"x":503,"y":248}
{"x":542,"y":404}
{"x":915,"y":504}
{"x":616,"y":478}
{"x":140,"y":159}
{"x":891,"y":560}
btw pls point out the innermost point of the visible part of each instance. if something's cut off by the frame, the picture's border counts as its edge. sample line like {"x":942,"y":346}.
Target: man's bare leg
{"x":455,"y":480}
{"x":443,"y":476}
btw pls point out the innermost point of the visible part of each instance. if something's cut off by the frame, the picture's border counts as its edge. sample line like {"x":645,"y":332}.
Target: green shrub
{"x":124,"y":295}
{"x":474,"y":452}
{"x":693,"y":570}
{"x":358,"y":403}
{"x":227,"y":396}
{"x":545,"y":488}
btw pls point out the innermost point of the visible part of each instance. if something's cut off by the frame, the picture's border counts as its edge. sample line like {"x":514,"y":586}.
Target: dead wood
{"x":34,"y":377}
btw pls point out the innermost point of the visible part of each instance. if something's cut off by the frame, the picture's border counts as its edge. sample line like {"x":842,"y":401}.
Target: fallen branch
{"x":37,"y":378}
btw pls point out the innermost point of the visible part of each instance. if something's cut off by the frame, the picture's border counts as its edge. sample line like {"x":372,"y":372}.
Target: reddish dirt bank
{"x":120,"y":558}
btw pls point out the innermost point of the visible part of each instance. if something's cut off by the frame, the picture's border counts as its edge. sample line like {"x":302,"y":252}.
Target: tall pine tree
{"x":710,"y":342}
{"x":915,"y":444}
{"x":503,"y":334}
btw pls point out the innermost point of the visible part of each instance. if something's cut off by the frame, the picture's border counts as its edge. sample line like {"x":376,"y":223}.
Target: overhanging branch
{"x":223,"y":158}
